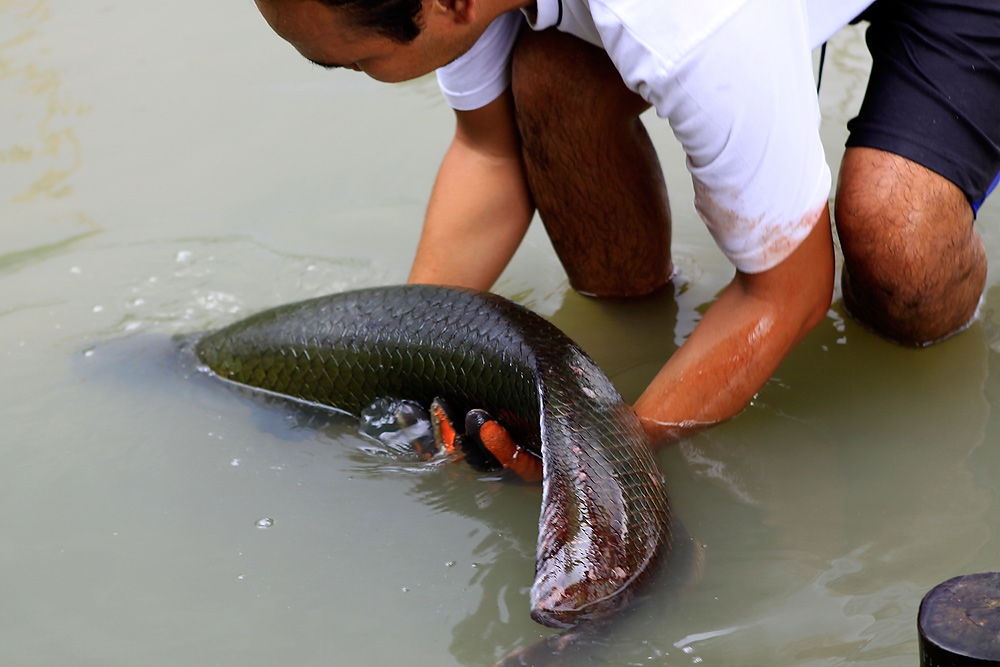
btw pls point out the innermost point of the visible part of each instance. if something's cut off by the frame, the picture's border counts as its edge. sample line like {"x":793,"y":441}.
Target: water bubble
{"x":264,"y":523}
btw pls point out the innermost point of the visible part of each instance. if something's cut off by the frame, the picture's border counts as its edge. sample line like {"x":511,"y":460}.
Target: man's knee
{"x":914,"y":267}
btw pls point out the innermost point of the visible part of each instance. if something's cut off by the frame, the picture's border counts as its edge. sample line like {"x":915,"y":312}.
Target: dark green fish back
{"x":345,"y":350}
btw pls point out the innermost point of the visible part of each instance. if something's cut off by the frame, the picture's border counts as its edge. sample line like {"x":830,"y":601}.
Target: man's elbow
{"x":818,"y":278}
{"x":805,"y":279}
{"x":819,"y":305}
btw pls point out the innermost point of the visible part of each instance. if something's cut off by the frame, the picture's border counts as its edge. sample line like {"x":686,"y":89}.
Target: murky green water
{"x":168,"y":167}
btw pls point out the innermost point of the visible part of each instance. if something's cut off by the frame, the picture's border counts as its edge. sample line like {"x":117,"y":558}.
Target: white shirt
{"x":734,"y":80}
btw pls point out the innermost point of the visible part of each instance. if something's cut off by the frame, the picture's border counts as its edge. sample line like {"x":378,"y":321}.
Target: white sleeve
{"x":743,"y":104}
{"x":482,"y":73}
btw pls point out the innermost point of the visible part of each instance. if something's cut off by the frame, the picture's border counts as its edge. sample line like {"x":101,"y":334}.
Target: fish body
{"x":604,"y":517}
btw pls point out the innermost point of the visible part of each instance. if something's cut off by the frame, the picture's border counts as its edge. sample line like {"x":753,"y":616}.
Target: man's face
{"x":327,"y":37}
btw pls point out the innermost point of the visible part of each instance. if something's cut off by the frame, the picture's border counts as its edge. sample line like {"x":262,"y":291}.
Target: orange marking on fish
{"x":496,"y":439}
{"x":444,"y":430}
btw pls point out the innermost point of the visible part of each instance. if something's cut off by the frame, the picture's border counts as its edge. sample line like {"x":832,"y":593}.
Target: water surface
{"x":166,"y":168}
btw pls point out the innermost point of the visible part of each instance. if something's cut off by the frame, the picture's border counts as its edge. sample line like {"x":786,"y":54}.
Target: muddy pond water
{"x":169,"y":167}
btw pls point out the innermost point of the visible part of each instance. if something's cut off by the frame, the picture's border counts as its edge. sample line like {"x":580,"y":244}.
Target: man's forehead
{"x":305,"y":24}
{"x":302,"y":19}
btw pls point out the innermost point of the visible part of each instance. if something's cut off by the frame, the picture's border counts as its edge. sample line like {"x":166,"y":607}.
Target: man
{"x":547,"y":118}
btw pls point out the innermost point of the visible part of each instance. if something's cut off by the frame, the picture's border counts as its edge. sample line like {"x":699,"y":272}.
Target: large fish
{"x":604,"y":517}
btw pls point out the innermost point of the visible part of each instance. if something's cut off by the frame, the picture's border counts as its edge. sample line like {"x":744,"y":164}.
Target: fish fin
{"x":501,"y":445}
{"x":443,"y":425}
{"x":476,"y":454}
{"x":400,"y":427}
{"x":412,"y":420}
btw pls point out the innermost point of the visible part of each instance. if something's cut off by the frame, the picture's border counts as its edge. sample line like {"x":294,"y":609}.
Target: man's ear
{"x":461,"y":11}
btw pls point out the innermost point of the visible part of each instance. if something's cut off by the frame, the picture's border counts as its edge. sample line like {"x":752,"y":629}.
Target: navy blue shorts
{"x":934,"y":92}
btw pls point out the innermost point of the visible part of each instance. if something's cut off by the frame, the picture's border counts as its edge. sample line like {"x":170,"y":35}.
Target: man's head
{"x":398,"y":20}
{"x":390,"y":40}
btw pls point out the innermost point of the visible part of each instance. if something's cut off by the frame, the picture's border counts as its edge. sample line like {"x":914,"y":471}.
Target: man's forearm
{"x":480,"y":207}
{"x":741,"y":340}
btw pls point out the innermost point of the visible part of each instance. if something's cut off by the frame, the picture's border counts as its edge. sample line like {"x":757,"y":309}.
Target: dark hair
{"x":398,"y":20}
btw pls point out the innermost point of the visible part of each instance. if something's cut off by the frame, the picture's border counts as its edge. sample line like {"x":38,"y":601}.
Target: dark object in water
{"x":959,"y":622}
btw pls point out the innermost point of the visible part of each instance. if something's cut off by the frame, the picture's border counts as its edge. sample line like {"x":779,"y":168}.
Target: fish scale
{"x":604,"y":518}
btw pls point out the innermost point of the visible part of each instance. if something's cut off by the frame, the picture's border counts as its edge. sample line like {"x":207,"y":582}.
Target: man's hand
{"x":741,"y":340}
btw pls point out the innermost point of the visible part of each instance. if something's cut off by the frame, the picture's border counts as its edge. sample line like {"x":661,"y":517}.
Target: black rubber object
{"x":959,"y":622}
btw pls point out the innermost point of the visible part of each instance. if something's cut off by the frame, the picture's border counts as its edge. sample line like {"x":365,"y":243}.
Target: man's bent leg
{"x":925,"y":143}
{"x":914,"y":266}
{"x":591,"y":167}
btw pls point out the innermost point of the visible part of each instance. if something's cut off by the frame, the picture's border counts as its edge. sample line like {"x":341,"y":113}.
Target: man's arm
{"x":743,"y":337}
{"x":480,"y":206}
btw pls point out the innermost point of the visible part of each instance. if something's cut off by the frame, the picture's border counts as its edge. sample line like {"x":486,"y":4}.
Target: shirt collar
{"x":544,"y":14}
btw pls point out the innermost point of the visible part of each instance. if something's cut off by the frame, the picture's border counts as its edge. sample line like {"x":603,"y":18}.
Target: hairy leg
{"x":914,"y":266}
{"x":592,"y":170}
